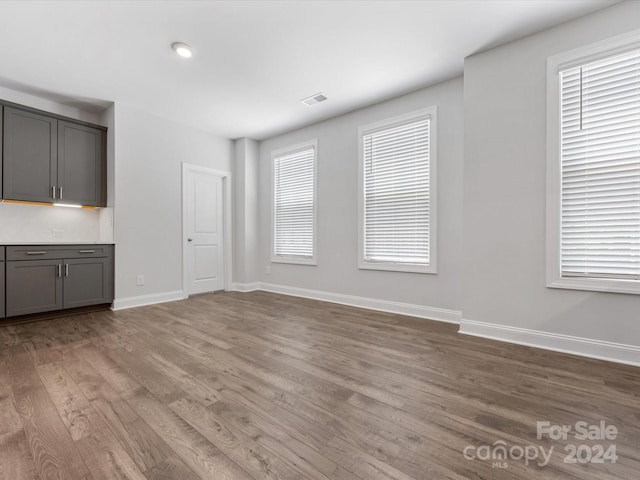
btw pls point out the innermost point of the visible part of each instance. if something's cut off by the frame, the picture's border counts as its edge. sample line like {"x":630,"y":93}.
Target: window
{"x":397,"y":194}
{"x":595,"y":169}
{"x":294,"y":204}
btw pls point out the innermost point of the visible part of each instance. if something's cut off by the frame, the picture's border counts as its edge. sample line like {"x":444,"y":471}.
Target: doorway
{"x":206,"y":225}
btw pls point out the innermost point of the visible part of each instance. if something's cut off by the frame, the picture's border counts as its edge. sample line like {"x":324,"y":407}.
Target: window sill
{"x":398,"y":267}
{"x":295,"y":260}
{"x":597,"y":285}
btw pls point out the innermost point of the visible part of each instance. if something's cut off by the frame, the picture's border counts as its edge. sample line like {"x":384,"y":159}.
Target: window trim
{"x":555,"y":64}
{"x":432,"y":268}
{"x":279,"y":153}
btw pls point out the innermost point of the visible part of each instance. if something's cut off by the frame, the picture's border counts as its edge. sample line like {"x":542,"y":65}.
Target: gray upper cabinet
{"x":47,"y":158}
{"x":1,"y":143}
{"x":80,"y":165}
{"x":30,"y":155}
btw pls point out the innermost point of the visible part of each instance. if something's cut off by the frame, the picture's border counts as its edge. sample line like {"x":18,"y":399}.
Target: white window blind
{"x":397,"y":193}
{"x":294,"y":184}
{"x":600,"y":168}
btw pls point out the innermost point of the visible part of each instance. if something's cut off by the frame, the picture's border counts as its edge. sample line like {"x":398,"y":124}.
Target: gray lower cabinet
{"x":61,"y":277}
{"x":1,"y":282}
{"x":33,"y":286}
{"x":87,"y":281}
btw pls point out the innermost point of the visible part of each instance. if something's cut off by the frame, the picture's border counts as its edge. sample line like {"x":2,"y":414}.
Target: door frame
{"x":226,"y":222}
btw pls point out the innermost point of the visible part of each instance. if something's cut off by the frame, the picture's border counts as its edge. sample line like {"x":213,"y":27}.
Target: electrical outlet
{"x":57,"y":233}
{"x":140,"y":280}
{"x":268,"y":269}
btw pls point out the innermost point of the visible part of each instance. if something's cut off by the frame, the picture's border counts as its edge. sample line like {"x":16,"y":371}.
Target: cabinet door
{"x":1,"y":289}
{"x":80,"y":164}
{"x":33,"y":286}
{"x":87,"y":281}
{"x":30,"y":154}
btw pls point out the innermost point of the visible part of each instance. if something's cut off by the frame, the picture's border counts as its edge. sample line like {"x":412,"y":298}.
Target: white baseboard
{"x":245,"y":287}
{"x":431,"y":313}
{"x":131,"y":302}
{"x":586,"y":347}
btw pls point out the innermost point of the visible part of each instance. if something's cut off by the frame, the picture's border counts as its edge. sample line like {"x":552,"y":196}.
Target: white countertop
{"x":51,"y":244}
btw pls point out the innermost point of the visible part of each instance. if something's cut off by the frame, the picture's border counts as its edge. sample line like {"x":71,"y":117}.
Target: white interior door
{"x":204,"y":242}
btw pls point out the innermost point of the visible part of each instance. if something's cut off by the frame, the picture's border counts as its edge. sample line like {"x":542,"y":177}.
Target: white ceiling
{"x":254,"y":60}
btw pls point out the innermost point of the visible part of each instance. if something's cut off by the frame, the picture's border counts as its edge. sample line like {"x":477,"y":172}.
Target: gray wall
{"x":337,"y":270}
{"x":245,"y":216}
{"x":149,"y":152}
{"x":505,"y":190}
{"x":107,"y":118}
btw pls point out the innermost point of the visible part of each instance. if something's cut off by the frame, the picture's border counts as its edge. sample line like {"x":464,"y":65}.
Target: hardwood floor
{"x":261,"y":386}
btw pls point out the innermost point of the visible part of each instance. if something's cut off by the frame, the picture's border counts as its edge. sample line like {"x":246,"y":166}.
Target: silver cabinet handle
{"x":36,"y":253}
{"x":86,"y":251}
{"x":60,"y":193}
{"x":66,"y":269}
{"x":53,"y":192}
{"x":59,"y":270}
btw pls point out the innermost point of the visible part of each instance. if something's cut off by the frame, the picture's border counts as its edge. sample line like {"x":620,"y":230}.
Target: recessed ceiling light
{"x":182,"y":49}
{"x":313,"y":99}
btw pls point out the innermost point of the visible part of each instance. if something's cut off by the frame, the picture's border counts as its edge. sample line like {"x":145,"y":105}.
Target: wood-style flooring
{"x":262,"y":386}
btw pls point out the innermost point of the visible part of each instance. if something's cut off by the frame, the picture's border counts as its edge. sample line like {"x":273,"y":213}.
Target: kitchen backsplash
{"x":36,"y":223}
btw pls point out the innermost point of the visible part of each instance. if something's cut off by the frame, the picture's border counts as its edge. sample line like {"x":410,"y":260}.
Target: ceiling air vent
{"x":313,"y":99}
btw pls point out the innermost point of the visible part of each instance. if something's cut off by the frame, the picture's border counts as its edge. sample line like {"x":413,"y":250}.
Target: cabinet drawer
{"x":47,"y":252}
{"x":1,"y":254}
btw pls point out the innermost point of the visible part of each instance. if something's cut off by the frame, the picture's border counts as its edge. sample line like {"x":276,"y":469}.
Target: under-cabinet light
{"x":66,"y":205}
{"x":45,"y":204}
